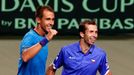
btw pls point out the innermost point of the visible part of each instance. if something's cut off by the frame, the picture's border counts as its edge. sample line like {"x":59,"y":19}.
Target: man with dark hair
{"x":34,"y":46}
{"x":83,"y":57}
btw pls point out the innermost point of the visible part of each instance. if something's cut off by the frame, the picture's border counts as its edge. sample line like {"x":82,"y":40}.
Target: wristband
{"x":43,"y":42}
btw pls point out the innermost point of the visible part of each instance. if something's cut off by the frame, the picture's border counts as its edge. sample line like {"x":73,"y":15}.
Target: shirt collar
{"x":90,"y":51}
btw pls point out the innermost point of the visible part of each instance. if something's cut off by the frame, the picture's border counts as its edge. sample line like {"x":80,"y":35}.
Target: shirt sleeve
{"x":58,"y":61}
{"x":104,"y":67}
{"x":26,"y":43}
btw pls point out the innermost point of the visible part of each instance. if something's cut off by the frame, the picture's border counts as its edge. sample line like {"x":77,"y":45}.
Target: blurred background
{"x":115,"y":20}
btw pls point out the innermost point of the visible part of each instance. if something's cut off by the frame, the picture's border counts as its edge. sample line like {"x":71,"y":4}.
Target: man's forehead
{"x":49,"y":14}
{"x":90,"y":26}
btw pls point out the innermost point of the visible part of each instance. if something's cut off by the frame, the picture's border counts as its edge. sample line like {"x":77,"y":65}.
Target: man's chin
{"x":46,"y":31}
{"x":91,"y":43}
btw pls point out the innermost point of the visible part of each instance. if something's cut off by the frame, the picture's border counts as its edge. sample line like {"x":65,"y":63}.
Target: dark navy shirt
{"x":75,"y":62}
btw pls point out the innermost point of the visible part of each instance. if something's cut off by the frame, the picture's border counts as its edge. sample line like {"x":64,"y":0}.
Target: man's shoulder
{"x":99,"y":50}
{"x":71,"y":45}
{"x":30,"y":33}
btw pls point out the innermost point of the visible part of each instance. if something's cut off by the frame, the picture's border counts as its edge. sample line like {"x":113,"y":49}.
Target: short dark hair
{"x":82,"y":25}
{"x":40,"y":9}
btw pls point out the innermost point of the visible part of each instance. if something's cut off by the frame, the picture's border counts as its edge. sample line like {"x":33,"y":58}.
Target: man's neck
{"x":84,"y":46}
{"x":39,"y":31}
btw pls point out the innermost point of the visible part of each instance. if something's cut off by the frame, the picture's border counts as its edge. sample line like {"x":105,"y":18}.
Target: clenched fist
{"x":51,"y":34}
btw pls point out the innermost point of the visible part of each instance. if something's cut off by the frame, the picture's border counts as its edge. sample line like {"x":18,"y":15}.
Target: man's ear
{"x":38,"y":20}
{"x":81,"y":34}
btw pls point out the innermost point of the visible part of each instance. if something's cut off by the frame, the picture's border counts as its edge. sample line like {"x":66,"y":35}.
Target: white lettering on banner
{"x":125,"y":4}
{"x":30,"y":4}
{"x":103,"y":23}
{"x":85,"y":6}
{"x":62,"y":7}
{"x":117,"y":5}
{"x":70,"y":5}
{"x":107,"y":24}
{"x":129,"y":23}
{"x":73,"y":24}
{"x":6,"y":23}
{"x":63,"y":23}
{"x":27,"y":4}
{"x":21,"y":23}
{"x":4,"y":6}
{"x":117,"y":24}
{"x":41,"y":2}
{"x":24,"y":4}
{"x":67,"y":5}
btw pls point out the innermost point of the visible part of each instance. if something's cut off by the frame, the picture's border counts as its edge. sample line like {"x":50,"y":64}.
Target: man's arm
{"x":29,"y":53}
{"x":50,"y":70}
{"x":104,"y":66}
{"x":109,"y":73}
{"x":57,"y":63}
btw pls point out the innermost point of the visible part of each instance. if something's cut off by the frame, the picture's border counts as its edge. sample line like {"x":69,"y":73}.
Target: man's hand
{"x":51,"y":34}
{"x":50,"y":70}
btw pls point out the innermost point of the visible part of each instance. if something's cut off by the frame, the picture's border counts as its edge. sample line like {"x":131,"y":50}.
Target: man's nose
{"x":95,"y":34}
{"x":52,"y":23}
